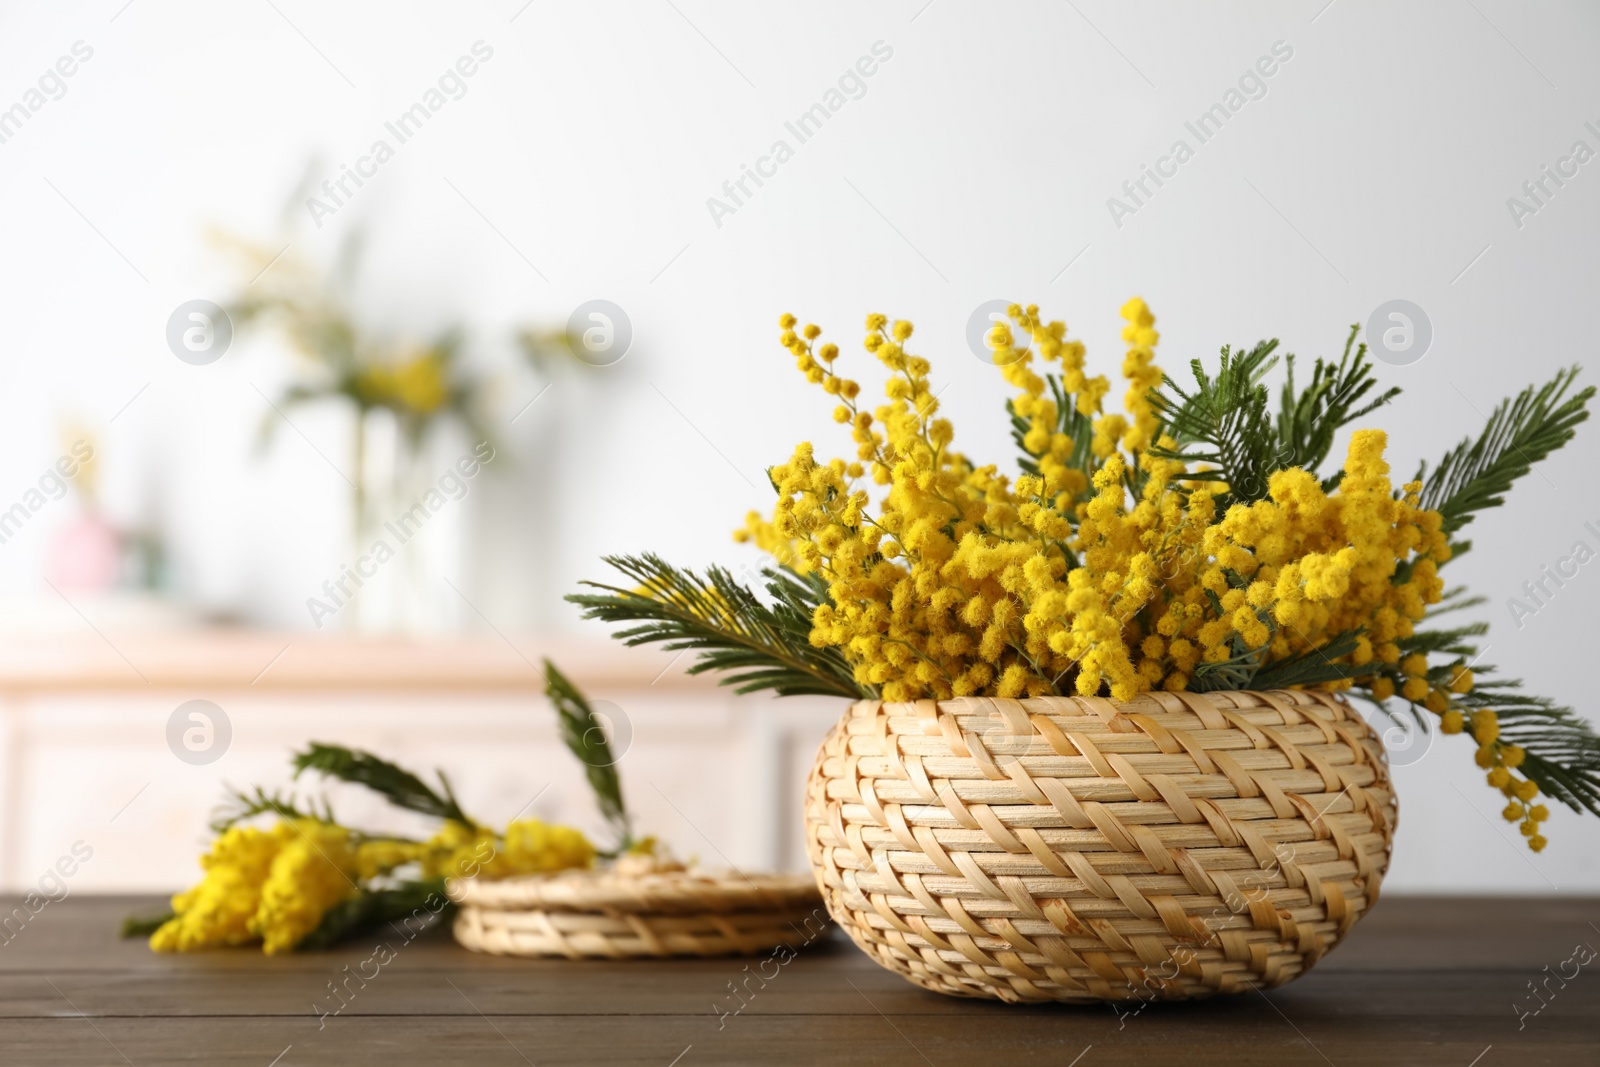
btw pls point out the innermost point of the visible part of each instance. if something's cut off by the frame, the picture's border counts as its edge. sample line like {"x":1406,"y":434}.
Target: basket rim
{"x":1157,"y":700}
{"x":656,"y":893}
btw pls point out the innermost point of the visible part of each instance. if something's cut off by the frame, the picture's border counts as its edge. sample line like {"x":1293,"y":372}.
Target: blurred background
{"x":497,"y":285}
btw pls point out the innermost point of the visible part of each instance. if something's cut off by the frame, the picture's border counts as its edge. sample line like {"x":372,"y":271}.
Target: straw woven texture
{"x":1080,"y":849}
{"x":604,"y":915}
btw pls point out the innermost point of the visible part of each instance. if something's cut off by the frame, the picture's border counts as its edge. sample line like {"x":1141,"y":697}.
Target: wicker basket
{"x":623,"y":914}
{"x":1080,"y":849}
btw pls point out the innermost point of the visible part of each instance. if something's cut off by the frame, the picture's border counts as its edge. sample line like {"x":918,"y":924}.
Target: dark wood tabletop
{"x":1423,"y":980}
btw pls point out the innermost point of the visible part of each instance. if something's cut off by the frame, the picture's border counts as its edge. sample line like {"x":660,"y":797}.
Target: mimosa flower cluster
{"x":308,"y":881}
{"x":274,"y":886}
{"x":1118,"y":577}
{"x":418,"y":384}
{"x":1110,"y":565}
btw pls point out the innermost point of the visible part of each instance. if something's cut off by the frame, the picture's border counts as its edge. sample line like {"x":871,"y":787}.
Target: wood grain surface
{"x":1423,"y":980}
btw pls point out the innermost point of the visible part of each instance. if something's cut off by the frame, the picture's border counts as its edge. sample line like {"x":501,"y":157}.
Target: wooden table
{"x":1422,"y":981}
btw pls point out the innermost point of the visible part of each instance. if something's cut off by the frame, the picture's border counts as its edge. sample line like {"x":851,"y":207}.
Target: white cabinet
{"x":85,"y":755}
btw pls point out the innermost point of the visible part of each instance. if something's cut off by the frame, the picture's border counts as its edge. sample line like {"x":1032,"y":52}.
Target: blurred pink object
{"x":87,"y":554}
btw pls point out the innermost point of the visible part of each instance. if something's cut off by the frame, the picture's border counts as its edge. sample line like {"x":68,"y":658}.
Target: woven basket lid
{"x":653,"y":892}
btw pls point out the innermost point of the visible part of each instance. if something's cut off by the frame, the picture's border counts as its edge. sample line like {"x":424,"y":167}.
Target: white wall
{"x":977,"y":164}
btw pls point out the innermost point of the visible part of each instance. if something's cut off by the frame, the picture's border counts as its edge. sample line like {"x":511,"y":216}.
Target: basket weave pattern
{"x":580,"y":936}
{"x":1080,"y":849}
{"x":605,"y":915}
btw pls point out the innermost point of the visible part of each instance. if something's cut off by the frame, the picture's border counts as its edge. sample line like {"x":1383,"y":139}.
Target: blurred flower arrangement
{"x":421,"y":385}
{"x":1195,"y":542}
{"x":308,"y":881}
{"x":403,"y":392}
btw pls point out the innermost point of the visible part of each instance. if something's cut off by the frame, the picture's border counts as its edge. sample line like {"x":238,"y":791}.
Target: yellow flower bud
{"x":1485,"y":726}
